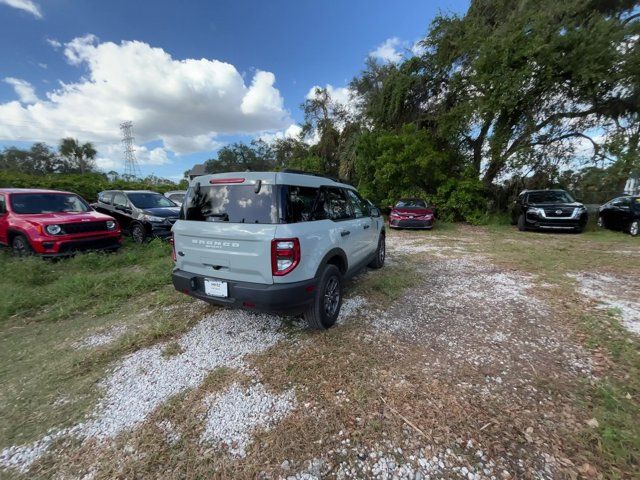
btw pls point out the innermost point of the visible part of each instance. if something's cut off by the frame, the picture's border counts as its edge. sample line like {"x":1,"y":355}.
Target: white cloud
{"x":54,"y":43}
{"x":26,"y":5}
{"x":23,"y":89}
{"x":111,"y":156}
{"x":389,"y":50}
{"x":184,"y":103}
{"x":292,"y":131}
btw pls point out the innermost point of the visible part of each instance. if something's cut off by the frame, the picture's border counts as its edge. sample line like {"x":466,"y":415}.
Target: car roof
{"x":277,"y":178}
{"x":32,"y":190}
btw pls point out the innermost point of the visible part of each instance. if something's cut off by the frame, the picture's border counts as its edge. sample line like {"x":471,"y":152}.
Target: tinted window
{"x":411,"y":203}
{"x":336,"y":205}
{"x":27,"y":203}
{"x":3,"y":205}
{"x":120,"y":200}
{"x":231,"y":203}
{"x":550,"y":197}
{"x":150,"y":200}
{"x":177,"y":198}
{"x":303,"y":204}
{"x":360,"y":207}
{"x":105,"y":197}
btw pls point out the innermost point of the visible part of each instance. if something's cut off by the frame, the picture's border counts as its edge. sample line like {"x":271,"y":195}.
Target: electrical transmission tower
{"x":131,"y":167}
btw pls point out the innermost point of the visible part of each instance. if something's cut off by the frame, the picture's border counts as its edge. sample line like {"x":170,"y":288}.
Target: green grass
{"x":38,"y":290}
{"x":47,"y":307}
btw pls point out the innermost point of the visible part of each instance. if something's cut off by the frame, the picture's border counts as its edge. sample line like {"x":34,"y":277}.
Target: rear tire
{"x":634,"y":228}
{"x":138,"y":234}
{"x":521,"y":223}
{"x":324,"y":310}
{"x":381,"y":252}
{"x":20,"y":246}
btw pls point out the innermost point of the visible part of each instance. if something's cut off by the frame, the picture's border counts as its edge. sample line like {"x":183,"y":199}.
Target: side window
{"x":3,"y":205}
{"x":360,"y":207}
{"x":625,"y":202}
{"x":105,"y":197}
{"x":336,"y":205}
{"x":301,"y":202}
{"x":120,"y":200}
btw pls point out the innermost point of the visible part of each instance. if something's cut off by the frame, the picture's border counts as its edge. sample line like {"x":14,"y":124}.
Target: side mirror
{"x":375,"y":212}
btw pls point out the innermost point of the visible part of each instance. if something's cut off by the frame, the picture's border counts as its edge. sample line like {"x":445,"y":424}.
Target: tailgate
{"x":240,"y":252}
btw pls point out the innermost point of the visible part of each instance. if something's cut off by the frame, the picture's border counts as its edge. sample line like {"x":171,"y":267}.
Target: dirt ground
{"x":466,"y":356}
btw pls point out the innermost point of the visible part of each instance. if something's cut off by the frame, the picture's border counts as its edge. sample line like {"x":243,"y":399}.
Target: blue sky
{"x":193,"y":76}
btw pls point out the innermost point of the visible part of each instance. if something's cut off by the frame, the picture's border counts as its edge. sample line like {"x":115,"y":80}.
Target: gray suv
{"x":278,"y":242}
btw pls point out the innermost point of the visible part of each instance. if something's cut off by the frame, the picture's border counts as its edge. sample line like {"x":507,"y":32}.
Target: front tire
{"x":20,"y":246}
{"x":138,"y":234}
{"x":634,"y":228}
{"x":521,"y":223}
{"x":324,"y":310}
{"x":381,"y":252}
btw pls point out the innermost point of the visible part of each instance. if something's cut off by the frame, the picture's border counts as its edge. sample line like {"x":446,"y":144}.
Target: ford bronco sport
{"x":278,"y":242}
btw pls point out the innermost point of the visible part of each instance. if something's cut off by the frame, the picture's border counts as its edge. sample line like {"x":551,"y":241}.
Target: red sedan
{"x":411,"y":213}
{"x":53,"y":224}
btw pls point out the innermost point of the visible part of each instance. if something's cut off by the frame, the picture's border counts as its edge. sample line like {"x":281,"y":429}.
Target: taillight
{"x":218,"y":181}
{"x":172,"y":241}
{"x":285,"y":255}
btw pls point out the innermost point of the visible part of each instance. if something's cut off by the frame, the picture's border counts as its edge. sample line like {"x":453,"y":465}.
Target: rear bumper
{"x":411,"y":223}
{"x":287,"y":298}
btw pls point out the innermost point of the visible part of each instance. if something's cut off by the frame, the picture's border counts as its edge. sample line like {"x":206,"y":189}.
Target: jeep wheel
{"x":138,"y":234}
{"x":634,"y":228}
{"x":381,"y":251}
{"x":521,"y":225}
{"x":20,"y":246}
{"x":324,"y":310}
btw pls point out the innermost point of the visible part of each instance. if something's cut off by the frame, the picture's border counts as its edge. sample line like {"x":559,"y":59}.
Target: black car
{"x":141,"y":213}
{"x":548,"y":210}
{"x":622,"y":213}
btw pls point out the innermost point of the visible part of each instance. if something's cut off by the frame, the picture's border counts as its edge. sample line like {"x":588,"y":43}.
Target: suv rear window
{"x":231,"y":203}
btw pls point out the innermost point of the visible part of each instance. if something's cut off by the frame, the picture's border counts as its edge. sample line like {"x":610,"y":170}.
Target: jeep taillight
{"x":172,"y":241}
{"x":285,"y":255}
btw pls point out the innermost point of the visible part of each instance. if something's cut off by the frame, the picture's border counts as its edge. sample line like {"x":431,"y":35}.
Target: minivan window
{"x":30,"y":203}
{"x":231,"y":203}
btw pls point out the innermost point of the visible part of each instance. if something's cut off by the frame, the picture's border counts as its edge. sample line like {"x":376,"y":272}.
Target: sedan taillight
{"x":285,"y":255}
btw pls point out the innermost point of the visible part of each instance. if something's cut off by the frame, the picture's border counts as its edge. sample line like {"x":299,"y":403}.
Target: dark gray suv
{"x":141,"y":213}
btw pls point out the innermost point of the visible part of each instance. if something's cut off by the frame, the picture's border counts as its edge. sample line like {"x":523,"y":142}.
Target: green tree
{"x":77,"y":157}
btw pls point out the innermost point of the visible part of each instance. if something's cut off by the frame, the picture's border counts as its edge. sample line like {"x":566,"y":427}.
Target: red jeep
{"x":53,"y":224}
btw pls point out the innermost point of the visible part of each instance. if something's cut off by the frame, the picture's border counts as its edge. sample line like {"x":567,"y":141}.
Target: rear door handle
{"x":344,"y":233}
{"x":366,"y":226}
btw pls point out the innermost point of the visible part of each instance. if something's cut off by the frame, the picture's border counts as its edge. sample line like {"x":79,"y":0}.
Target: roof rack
{"x":314,"y":174}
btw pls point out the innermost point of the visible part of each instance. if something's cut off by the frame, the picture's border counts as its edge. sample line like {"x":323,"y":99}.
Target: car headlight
{"x":537,"y":211}
{"x":151,"y":218}
{"x":54,"y":229}
{"x":111,"y":225}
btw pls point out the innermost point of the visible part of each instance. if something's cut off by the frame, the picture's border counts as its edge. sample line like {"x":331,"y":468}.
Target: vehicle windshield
{"x":411,"y":203}
{"x":27,"y":203}
{"x":231,"y":203}
{"x":177,"y":197}
{"x":550,"y":196}
{"x":150,"y":200}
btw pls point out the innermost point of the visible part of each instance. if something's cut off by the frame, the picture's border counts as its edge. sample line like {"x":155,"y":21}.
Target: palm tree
{"x":80,"y":157}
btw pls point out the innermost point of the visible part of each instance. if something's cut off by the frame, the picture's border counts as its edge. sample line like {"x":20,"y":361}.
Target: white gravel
{"x":233,"y":415}
{"x":611,"y":292}
{"x":101,"y":338}
{"x":145,"y":379}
